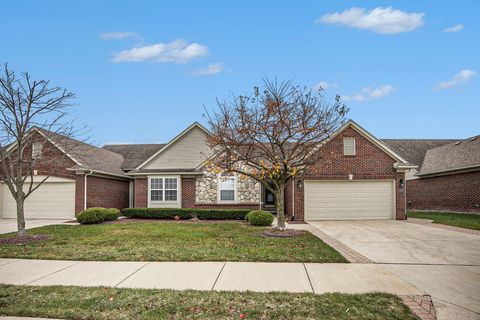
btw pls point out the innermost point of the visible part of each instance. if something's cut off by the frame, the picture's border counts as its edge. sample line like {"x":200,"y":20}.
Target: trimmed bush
{"x":97,"y":215}
{"x":185,"y":213}
{"x":259,"y":218}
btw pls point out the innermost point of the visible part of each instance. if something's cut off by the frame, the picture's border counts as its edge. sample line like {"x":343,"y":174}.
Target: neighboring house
{"x":357,"y":176}
{"x":84,"y":177}
{"x":448,"y":175}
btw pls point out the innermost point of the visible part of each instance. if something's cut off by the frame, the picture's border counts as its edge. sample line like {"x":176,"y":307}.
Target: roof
{"x":86,"y":156}
{"x":413,"y":150}
{"x":134,"y":154}
{"x":453,"y":156}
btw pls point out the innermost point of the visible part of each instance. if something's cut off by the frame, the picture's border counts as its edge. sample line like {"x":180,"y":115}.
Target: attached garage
{"x":54,"y":199}
{"x":349,"y":200}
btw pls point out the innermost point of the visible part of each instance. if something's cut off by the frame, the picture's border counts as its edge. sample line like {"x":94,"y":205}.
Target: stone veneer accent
{"x":206,"y":186}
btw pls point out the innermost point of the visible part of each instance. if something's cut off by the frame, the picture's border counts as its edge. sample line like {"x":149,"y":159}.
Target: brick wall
{"x":141,"y":192}
{"x":456,"y":192}
{"x":108,"y":193}
{"x":370,"y":162}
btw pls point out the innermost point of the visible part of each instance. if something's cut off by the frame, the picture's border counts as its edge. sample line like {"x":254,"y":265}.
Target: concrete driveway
{"x":10,"y":225}
{"x":443,"y":263}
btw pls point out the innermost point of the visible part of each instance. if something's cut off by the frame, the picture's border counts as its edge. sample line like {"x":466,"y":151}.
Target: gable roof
{"x":464,"y":154}
{"x":171,"y":142}
{"x":401,"y":162}
{"x":134,"y":154}
{"x":413,"y":150}
{"x":86,"y":156}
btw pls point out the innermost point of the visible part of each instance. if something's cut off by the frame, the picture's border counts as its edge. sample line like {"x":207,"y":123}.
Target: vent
{"x":457,"y":143}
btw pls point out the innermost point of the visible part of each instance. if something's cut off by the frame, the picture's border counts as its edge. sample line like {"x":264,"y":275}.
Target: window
{"x":226,"y":187}
{"x":349,"y":146}
{"x":163,"y":189}
{"x":36,"y":150}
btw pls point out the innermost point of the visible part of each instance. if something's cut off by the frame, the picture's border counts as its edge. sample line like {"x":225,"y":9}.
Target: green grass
{"x":118,"y":304}
{"x":170,"y":241}
{"x":463,"y":220}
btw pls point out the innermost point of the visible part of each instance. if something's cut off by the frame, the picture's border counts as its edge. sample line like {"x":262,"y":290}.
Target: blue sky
{"x":142,"y":70}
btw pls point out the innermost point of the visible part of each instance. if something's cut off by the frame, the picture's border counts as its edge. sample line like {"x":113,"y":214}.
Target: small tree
{"x":272,"y":135}
{"x":31,"y":112}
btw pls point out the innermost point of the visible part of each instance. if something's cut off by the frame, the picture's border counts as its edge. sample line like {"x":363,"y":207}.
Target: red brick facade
{"x":101,"y":192}
{"x":141,"y":193}
{"x":370,"y":162}
{"x":455,"y":192}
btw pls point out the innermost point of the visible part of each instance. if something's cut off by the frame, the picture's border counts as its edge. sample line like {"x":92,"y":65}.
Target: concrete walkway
{"x":231,"y":276}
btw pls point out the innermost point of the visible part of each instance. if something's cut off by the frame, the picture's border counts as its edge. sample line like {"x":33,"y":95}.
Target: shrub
{"x":185,"y":213}
{"x":97,"y":215}
{"x":260,"y":218}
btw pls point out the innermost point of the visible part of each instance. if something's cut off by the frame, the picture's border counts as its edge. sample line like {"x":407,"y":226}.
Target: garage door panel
{"x":342,"y":200}
{"x":52,"y":200}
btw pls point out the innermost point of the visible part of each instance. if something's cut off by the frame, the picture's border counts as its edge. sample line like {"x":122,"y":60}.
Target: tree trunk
{"x":280,"y":208}
{"x":21,"y":217}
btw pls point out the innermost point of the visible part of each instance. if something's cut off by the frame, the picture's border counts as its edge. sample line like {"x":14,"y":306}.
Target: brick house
{"x":448,"y":175}
{"x":357,"y":177}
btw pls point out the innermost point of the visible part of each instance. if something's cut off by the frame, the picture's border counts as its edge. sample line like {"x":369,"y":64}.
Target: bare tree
{"x":34,"y":126}
{"x":272,"y":134}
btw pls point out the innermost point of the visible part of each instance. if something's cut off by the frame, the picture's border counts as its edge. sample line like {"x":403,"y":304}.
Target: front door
{"x":269,"y":198}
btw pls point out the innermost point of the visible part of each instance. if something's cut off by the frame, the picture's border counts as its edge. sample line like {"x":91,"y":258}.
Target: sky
{"x":142,"y":71}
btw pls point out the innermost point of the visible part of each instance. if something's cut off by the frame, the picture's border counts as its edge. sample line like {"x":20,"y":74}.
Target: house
{"x":84,"y":176}
{"x":357,"y":176}
{"x":448,"y":174}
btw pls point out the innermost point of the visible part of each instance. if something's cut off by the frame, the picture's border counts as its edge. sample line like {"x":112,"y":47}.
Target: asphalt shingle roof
{"x":134,"y":154}
{"x":452,"y":156}
{"x":88,"y":156}
{"x":413,"y":150}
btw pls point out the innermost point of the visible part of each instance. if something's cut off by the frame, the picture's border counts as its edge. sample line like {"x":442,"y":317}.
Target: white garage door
{"x":349,"y":200}
{"x":54,"y":199}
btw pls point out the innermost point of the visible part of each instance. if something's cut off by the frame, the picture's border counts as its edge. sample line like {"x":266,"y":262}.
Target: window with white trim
{"x":163,"y":189}
{"x":37,"y":150}
{"x":226,"y":188}
{"x":349,"y":147}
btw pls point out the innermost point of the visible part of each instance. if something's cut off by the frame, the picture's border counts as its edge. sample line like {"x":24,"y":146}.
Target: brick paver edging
{"x":421,"y":305}
{"x":347,"y":252}
{"x":444,"y":226}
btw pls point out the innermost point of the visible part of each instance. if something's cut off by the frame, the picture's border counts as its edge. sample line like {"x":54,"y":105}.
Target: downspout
{"x":85,"y":190}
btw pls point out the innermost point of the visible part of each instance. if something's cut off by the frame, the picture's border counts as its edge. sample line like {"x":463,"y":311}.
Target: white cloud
{"x":369,"y":93}
{"x":379,"y":20}
{"x":455,"y":28}
{"x":325,"y":85}
{"x":178,"y":51}
{"x":461,"y":77}
{"x":119,"y":35}
{"x":212,"y":68}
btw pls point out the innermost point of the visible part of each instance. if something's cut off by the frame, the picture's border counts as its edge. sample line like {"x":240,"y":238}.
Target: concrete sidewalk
{"x":231,"y":276}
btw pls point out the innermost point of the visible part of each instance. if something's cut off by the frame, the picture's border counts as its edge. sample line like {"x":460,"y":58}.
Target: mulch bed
{"x":277,"y":233}
{"x":25,"y":239}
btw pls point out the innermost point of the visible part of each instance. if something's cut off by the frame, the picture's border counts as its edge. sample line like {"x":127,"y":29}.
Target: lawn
{"x":103,"y":303}
{"x":170,"y":241}
{"x":464,"y":220}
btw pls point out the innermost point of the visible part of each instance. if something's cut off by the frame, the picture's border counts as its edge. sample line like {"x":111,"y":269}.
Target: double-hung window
{"x":226,"y":187}
{"x":163,"y":189}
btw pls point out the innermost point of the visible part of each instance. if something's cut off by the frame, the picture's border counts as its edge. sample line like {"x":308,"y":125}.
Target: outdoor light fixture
{"x":402,"y":183}
{"x":299,"y":184}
